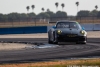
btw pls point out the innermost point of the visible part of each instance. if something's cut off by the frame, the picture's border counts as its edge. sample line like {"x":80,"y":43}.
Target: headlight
{"x":82,"y":32}
{"x":59,"y":31}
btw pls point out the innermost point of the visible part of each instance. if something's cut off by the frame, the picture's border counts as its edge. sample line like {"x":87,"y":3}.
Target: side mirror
{"x":83,"y":28}
{"x":54,"y":27}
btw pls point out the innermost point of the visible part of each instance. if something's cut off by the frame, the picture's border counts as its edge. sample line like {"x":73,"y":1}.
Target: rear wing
{"x":52,"y":22}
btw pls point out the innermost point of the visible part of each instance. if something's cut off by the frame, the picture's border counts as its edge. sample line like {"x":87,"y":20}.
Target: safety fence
{"x":44,"y":21}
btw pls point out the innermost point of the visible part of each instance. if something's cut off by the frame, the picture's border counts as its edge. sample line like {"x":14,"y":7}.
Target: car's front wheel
{"x":49,"y":41}
{"x":55,"y":40}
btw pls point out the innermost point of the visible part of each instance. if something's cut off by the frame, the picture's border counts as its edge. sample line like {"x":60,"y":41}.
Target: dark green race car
{"x":67,"y":31}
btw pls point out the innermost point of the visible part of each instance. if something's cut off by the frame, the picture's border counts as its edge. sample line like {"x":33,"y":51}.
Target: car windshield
{"x":67,"y":25}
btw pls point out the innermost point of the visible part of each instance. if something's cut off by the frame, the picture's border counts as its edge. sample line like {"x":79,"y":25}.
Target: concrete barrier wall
{"x":91,"y":27}
{"x":42,"y":29}
{"x":88,"y":27}
{"x":96,"y":27}
{"x":24,"y":30}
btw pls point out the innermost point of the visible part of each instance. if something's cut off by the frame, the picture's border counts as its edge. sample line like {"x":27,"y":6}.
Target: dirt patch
{"x":12,"y":46}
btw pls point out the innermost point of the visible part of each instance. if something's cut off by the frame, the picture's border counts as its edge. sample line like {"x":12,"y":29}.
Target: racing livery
{"x":67,"y":31}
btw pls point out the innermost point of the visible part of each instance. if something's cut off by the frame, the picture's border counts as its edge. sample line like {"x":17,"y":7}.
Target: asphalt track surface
{"x":66,"y":51}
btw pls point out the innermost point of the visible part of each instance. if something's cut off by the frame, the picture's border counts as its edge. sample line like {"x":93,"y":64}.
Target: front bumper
{"x":76,"y":38}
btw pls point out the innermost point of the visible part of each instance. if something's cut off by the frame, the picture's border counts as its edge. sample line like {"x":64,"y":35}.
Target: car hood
{"x":69,"y":30}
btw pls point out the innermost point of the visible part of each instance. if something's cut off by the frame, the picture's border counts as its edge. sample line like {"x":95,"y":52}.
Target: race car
{"x":67,"y":31}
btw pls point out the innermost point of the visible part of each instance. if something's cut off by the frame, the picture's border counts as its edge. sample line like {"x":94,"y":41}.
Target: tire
{"x":54,"y":40}
{"x":50,"y":42}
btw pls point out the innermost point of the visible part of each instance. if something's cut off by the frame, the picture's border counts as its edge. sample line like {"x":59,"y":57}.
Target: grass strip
{"x":61,"y":63}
